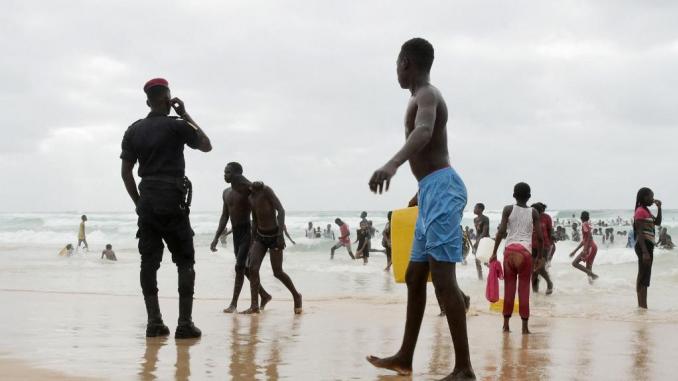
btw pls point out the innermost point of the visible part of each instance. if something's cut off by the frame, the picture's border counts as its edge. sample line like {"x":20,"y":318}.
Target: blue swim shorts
{"x":442,"y":199}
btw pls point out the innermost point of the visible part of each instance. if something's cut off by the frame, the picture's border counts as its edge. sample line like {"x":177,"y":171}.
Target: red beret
{"x":156,"y":82}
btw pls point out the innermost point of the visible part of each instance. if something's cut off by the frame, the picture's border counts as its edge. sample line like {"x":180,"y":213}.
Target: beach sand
{"x":102,"y":336}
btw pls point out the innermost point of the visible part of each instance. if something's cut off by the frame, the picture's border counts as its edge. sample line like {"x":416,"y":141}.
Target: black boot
{"x":185,"y":328}
{"x":155,"y":327}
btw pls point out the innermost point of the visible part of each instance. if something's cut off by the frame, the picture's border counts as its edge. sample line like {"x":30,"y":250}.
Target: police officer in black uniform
{"x":163,"y":200}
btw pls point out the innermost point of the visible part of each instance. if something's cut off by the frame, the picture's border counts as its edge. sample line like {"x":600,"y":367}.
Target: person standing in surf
{"x":518,"y":223}
{"x":237,"y":208}
{"x":540,"y":252}
{"x":268,"y":235}
{"x":590,"y":249}
{"x":482,"y":224}
{"x":437,"y":246}
{"x":82,"y":237}
{"x":644,"y":228}
{"x":163,"y":200}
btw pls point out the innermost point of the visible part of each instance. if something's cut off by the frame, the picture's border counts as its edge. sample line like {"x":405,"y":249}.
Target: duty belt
{"x":183,"y":183}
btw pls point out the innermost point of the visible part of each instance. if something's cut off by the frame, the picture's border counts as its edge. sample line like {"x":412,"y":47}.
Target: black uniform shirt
{"x":157,"y":142}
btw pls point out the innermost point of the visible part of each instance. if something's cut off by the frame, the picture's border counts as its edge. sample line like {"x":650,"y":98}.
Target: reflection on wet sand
{"x":244,"y":348}
{"x":149,"y":363}
{"x":641,"y":353}
{"x":182,"y":367}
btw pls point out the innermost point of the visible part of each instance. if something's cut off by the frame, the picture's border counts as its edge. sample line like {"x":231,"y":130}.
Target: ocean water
{"x":29,"y":243}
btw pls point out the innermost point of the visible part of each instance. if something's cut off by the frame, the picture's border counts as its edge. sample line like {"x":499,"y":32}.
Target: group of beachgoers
{"x":364,"y":236}
{"x":69,"y":250}
{"x":163,"y":197}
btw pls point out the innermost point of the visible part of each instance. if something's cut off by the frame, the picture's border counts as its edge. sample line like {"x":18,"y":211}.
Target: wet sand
{"x":102,"y":336}
{"x":13,"y":369}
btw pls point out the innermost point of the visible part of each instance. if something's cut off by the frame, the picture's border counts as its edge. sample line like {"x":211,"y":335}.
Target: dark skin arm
{"x":127,"y":174}
{"x":420,"y":136}
{"x":658,"y":219}
{"x":414,"y":201}
{"x":222,"y":223}
{"x":204,"y":143}
{"x":501,"y":233}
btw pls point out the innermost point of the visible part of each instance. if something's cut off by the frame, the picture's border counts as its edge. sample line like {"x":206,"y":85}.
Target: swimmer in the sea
{"x":109,"y":253}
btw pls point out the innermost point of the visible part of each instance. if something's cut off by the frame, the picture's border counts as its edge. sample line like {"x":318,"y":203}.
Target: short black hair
{"x":541,"y":208}
{"x":585,"y":216}
{"x":389,"y":214}
{"x":418,"y":51}
{"x":481,"y":206}
{"x":337,"y":220}
{"x":522,"y":192}
{"x":236,"y":167}
{"x":109,"y":246}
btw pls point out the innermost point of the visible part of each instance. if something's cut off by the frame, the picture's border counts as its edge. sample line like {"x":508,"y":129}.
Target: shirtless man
{"x":441,"y":198}
{"x":268,"y":217}
{"x":482,"y":224}
{"x":237,"y":208}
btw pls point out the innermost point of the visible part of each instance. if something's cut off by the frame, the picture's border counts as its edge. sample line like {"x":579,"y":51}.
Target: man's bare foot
{"x":297,"y":305}
{"x":392,"y":363}
{"x":506,"y":329}
{"x":251,"y":311}
{"x":264,"y":301}
{"x":231,"y":309}
{"x":461,"y":374}
{"x":594,"y":276}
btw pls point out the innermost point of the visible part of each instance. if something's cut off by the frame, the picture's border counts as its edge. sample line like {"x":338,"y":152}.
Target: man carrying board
{"x":441,"y":197}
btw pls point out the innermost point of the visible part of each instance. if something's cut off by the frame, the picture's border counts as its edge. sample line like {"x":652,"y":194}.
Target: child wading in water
{"x":588,"y":254}
{"x":643,"y":226}
{"x":518,"y":222}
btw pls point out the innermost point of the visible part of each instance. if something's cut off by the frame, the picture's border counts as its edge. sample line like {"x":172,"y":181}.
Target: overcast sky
{"x":576,"y":98}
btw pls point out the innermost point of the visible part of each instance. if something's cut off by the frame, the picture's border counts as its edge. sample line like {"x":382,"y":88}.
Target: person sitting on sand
{"x":644,"y":225}
{"x":109,"y":253}
{"x":344,"y":239}
{"x":590,"y":249}
{"x":269,"y":231}
{"x":518,"y":223}
{"x":67,"y":251}
{"x":665,"y":241}
{"x":82,"y":238}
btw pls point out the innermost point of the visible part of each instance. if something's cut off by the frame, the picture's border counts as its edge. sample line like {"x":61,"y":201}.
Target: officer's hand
{"x":178,"y":106}
{"x":213,"y":246}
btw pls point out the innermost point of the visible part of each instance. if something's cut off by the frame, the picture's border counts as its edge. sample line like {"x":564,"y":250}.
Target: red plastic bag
{"x":492,"y":288}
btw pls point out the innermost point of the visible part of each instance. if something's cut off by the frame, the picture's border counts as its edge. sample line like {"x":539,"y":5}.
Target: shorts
{"x":645,"y":269}
{"x":273,"y":240}
{"x":442,"y":199}
{"x":589,"y":257}
{"x":242,"y":238}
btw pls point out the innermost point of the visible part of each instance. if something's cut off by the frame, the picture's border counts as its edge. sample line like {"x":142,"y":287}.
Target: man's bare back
{"x":434,"y":155}
{"x":263,"y":207}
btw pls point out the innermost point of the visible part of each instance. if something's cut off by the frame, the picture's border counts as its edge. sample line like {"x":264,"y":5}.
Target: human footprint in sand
{"x":268,"y":230}
{"x":437,"y":246}
{"x":237,"y":208}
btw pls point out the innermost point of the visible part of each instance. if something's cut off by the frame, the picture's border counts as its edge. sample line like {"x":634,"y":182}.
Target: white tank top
{"x":520,"y":227}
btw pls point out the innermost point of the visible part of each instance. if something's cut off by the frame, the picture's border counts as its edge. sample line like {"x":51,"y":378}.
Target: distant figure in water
{"x":344,"y":238}
{"x":644,"y":225}
{"x":482,"y":224}
{"x":540,"y":253}
{"x":318,"y":233}
{"x":518,"y":223}
{"x":310,"y":232}
{"x":109,"y":253}
{"x":268,"y":227}
{"x":364,"y":242}
{"x":590,"y":249}
{"x":441,"y":197}
{"x":665,"y":241}
{"x":386,"y":241}
{"x":575,"y":232}
{"x":328,"y":233}
{"x":67,"y":251}
{"x":82,"y":238}
{"x":631,"y":239}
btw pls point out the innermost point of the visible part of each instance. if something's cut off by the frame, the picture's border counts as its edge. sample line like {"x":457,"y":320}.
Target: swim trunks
{"x":242,"y":238}
{"x":273,"y":240}
{"x":442,"y":198}
{"x":644,"y":269}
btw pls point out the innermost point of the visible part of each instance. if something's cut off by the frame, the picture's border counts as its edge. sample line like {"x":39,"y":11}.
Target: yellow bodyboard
{"x":403,"y":222}
{"x":498,"y":306}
